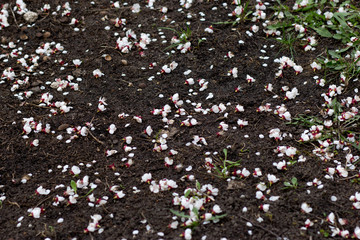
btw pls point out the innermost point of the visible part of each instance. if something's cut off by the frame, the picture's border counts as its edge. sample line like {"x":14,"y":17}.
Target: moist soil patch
{"x":134,"y":86}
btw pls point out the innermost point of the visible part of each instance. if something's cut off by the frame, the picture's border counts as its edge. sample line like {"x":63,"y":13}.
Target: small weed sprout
{"x":293,"y":184}
{"x":73,"y":185}
{"x":241,"y":13}
{"x":182,"y":39}
{"x":223,"y":169}
{"x":194,"y":200}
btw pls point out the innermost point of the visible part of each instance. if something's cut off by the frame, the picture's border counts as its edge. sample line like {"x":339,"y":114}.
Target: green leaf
{"x":278,"y":25}
{"x":220,"y":23}
{"x":334,"y":54}
{"x":217,"y":217}
{"x":288,"y":14}
{"x":304,"y":9}
{"x":248,"y":13}
{"x":225,"y":153}
{"x":196,"y":211}
{"x":340,"y":18}
{"x":323,"y":32}
{"x":294,"y":181}
{"x":325,"y":233}
{"x":187,"y":193}
{"x":91,"y":190}
{"x":198,"y":185}
{"x":218,"y":171}
{"x":179,"y":214}
{"x":287,"y":184}
{"x":340,"y":67}
{"x":338,"y":36}
{"x":73,"y":185}
{"x":344,"y":49}
{"x":171,"y":29}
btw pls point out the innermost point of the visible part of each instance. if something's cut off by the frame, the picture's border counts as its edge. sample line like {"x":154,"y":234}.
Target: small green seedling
{"x":224,"y":168}
{"x":239,"y":17}
{"x":291,"y":185}
{"x":196,"y":211}
{"x":74,"y":187}
{"x":324,"y":233}
{"x":184,"y":36}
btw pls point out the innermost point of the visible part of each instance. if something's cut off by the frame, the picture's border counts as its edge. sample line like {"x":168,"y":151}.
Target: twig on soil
{"x":259,"y":226}
{"x":42,"y":201}
{"x":105,"y":209}
{"x":351,"y":177}
{"x":44,"y":17}
{"x":113,"y":48}
{"x":107,"y":184}
{"x":14,"y":203}
{"x":129,"y":83}
{"x":105,"y":46}
{"x":92,"y":135}
{"x":98,"y":9}
{"x":143,"y":215}
{"x":96,"y":138}
{"x":14,"y":16}
{"x":335,"y":204}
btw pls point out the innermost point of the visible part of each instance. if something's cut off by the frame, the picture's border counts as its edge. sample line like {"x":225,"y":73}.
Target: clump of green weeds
{"x":183,"y":36}
{"x":194,"y":218}
{"x":348,"y":65}
{"x":340,"y":128}
{"x":225,"y":166}
{"x":240,"y":18}
{"x":339,"y":25}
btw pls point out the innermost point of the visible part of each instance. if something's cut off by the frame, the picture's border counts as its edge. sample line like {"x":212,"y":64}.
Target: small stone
{"x":64,"y":19}
{"x":35,"y":89}
{"x":235,"y":185}
{"x":36,"y":83}
{"x":77,"y":72}
{"x":97,"y":181}
{"x":23,"y":28}
{"x":4,"y":40}
{"x":46,"y":34}
{"x":39,"y":34}
{"x":63,"y":126}
{"x":46,"y":58}
{"x":142,"y":85}
{"x":122,"y":34}
{"x":30,"y":16}
{"x":143,"y":135}
{"x":124,"y":62}
{"x":26,"y":177}
{"x":108,"y":57}
{"x":24,"y":37}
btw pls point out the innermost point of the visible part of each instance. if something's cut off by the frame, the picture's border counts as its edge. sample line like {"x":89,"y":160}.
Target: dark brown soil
{"x":126,"y":87}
